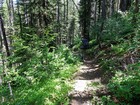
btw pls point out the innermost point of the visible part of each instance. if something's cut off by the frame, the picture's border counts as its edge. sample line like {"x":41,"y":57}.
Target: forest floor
{"x":87,"y":81}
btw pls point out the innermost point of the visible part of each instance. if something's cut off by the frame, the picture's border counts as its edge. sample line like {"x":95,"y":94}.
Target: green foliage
{"x":77,"y":43}
{"x":120,"y":41}
{"x":53,"y":91}
{"x":125,"y":85}
{"x":40,"y":72}
{"x":106,"y":100}
{"x":115,"y":28}
{"x":108,"y":64}
{"x":96,"y":84}
{"x":45,"y":84}
{"x":39,"y":68}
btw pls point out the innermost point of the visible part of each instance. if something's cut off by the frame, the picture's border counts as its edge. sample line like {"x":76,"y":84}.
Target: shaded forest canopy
{"x":40,"y":44}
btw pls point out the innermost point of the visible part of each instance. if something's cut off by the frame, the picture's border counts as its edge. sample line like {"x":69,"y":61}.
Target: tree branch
{"x":75,"y":5}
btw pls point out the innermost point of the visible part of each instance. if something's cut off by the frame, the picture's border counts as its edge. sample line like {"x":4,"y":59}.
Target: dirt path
{"x":87,"y":81}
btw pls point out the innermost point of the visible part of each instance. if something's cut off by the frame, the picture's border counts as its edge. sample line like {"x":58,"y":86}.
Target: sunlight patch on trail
{"x":87,"y":81}
{"x":81,"y":85}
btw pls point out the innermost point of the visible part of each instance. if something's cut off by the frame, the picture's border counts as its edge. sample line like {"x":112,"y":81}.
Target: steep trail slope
{"x":83,"y":87}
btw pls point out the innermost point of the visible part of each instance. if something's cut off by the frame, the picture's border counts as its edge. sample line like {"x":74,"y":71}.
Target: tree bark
{"x":10,"y":29}
{"x":112,"y":7}
{"x":4,"y":36}
{"x":6,"y":47}
{"x":95,"y":12}
{"x":136,"y":10}
{"x":58,"y":23}
{"x":19,"y":15}
{"x":102,"y":24}
{"x":136,"y":6}
{"x":10,"y":11}
{"x":104,"y":10}
{"x":75,"y":5}
{"x":99,"y":9}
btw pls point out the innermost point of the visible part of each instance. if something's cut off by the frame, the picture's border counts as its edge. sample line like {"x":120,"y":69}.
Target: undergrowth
{"x":40,"y":75}
{"x":119,"y":58}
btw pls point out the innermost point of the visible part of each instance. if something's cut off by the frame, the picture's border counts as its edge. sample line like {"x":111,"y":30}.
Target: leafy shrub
{"x":44,"y":87}
{"x":114,"y":29}
{"x":122,"y":39}
{"x":39,"y":76}
{"x":125,"y":85}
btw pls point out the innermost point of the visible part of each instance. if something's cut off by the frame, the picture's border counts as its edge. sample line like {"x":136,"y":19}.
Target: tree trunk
{"x":85,"y":16}
{"x":123,"y":5}
{"x":75,"y":5}
{"x":102,"y":24}
{"x":4,"y":36}
{"x":95,"y":12}
{"x":112,"y":7}
{"x":99,"y":9}
{"x":64,"y":11}
{"x":19,"y":15}
{"x":10,"y":30}
{"x":136,"y":6}
{"x":6,"y":48}
{"x":11,"y":12}
{"x":58,"y":23}
{"x":104,"y":10}
{"x":136,"y":10}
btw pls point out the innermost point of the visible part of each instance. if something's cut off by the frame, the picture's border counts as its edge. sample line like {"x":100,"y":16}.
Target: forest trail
{"x":87,"y":81}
